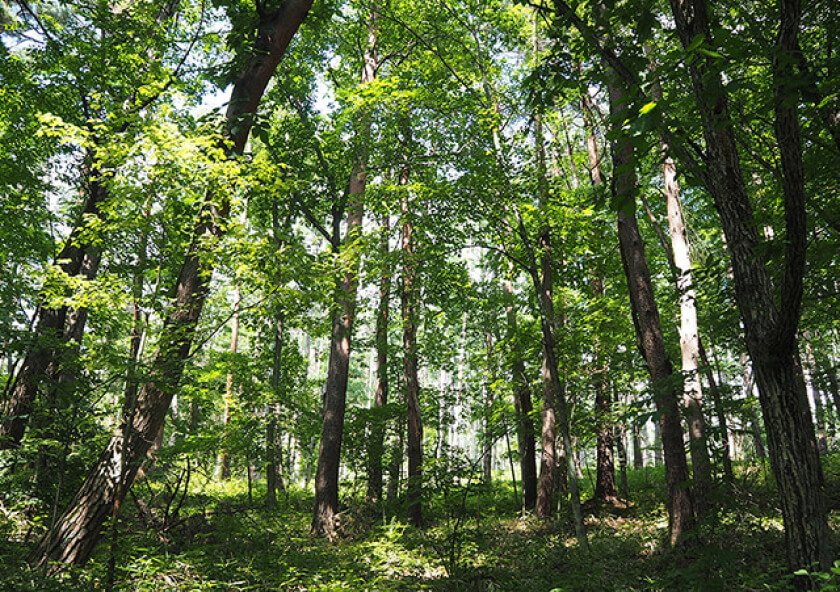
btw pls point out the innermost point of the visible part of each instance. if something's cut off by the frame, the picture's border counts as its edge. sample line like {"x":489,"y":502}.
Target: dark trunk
{"x":723,"y":425}
{"x":770,"y":327}
{"x":344,"y":310}
{"x":76,"y":532}
{"x":380,"y":397}
{"x":412,"y":387}
{"x":522,"y":405}
{"x":54,"y":329}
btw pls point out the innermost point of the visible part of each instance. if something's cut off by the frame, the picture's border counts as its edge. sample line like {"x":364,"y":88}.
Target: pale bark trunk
{"x":648,"y":329}
{"x":77,"y":531}
{"x":680,"y":261}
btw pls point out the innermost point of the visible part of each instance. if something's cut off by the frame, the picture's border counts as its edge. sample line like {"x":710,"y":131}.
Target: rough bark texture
{"x":522,"y":405}
{"x":770,"y":328}
{"x":408,"y":303}
{"x":79,"y":527}
{"x":335,"y":394}
{"x":380,"y":396}
{"x":53,"y":331}
{"x":649,"y":331}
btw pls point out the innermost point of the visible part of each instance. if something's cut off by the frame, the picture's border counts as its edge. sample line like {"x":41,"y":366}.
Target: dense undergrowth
{"x":220,"y":538}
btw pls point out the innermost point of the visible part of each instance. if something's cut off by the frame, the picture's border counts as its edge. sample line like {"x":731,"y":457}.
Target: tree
{"x":78,"y":529}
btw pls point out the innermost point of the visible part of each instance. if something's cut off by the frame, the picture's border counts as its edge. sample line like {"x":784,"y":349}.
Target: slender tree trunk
{"x":648,"y":328}
{"x":689,"y":332}
{"x":412,"y":387}
{"x":273,"y":439}
{"x":380,"y":397}
{"x":638,"y":453}
{"x":723,"y":424}
{"x":522,"y":405}
{"x":605,"y":490}
{"x":77,"y":530}
{"x":335,"y":395}
{"x":223,"y":465}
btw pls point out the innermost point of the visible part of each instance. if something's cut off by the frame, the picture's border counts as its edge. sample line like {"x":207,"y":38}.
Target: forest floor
{"x":476,"y":540}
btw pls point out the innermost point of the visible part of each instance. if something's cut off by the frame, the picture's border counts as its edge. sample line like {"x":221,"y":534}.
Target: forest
{"x":449,"y":295}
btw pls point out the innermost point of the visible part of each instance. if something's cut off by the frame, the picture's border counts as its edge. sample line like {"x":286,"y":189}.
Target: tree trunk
{"x":689,"y":332}
{"x":380,"y":396}
{"x":335,"y":395}
{"x":75,"y":533}
{"x":723,"y":425}
{"x":273,"y":439}
{"x":522,"y":405}
{"x":770,"y":327}
{"x":43,"y":359}
{"x":412,"y":388}
{"x":648,"y":329}
{"x":223,"y":464}
{"x":605,"y":490}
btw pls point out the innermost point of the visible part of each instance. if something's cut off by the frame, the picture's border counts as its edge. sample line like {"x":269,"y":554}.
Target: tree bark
{"x":770,"y":328}
{"x":380,"y":396}
{"x":53,"y":331}
{"x":648,"y":328}
{"x":223,"y":464}
{"x":689,"y":331}
{"x":605,"y":489}
{"x":335,"y":395}
{"x":522,"y":405}
{"x":78,"y":529}
{"x":408,"y":302}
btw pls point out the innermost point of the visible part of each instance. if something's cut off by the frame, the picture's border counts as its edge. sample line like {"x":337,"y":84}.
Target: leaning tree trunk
{"x":51,"y":335}
{"x":648,"y":328}
{"x":770,"y":324}
{"x":344,"y":310}
{"x":77,"y":530}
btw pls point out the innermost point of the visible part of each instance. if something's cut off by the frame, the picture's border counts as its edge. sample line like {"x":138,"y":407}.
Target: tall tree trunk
{"x":335,"y":395}
{"x":689,"y":331}
{"x":770,"y":327}
{"x":77,"y":530}
{"x":605,"y":490}
{"x":648,"y":329}
{"x":223,"y":464}
{"x":408,"y":301}
{"x":380,"y":396}
{"x":52,"y":331}
{"x":522,"y":404}
{"x":273,"y":439}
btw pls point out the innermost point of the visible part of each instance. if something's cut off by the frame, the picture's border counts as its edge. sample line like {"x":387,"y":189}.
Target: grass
{"x":477,"y":543}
